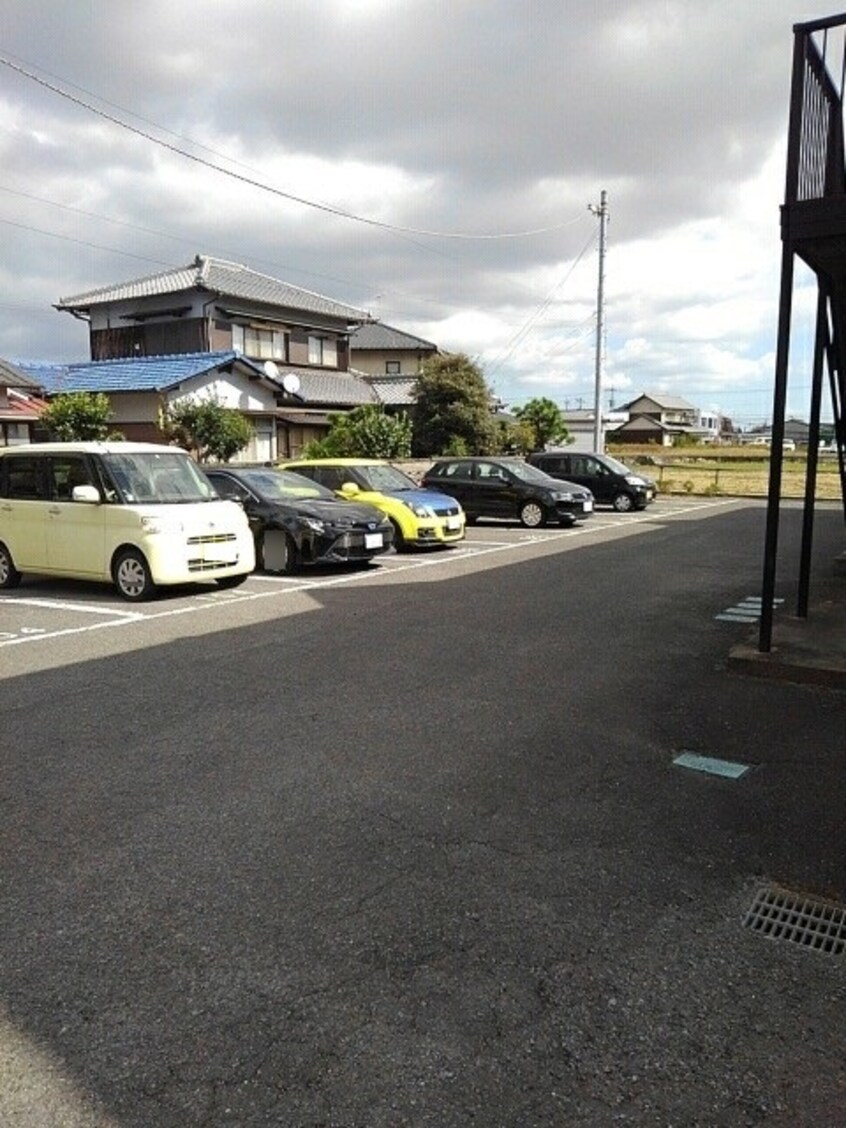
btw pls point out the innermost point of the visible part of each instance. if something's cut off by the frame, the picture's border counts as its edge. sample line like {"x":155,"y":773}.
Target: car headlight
{"x":316,"y":524}
{"x":419,"y":509}
{"x":564,"y":495}
{"x":634,"y":480}
{"x":161,"y":526}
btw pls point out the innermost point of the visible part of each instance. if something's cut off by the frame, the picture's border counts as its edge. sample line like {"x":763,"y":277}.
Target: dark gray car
{"x":509,"y":487}
{"x":296,"y":521}
{"x":610,"y":481}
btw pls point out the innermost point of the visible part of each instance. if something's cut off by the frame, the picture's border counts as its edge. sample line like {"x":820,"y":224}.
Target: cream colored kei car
{"x":138,"y":515}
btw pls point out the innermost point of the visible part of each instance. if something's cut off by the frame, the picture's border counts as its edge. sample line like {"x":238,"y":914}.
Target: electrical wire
{"x":261,"y":185}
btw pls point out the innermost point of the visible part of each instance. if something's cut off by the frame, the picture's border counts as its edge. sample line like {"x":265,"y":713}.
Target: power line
{"x":523,"y":331}
{"x":326,"y":208}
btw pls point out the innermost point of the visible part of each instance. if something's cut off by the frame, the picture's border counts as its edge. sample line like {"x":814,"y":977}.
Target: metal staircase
{"x":813,"y":228}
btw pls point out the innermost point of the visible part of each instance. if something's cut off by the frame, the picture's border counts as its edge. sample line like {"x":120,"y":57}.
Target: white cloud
{"x":432,"y":119}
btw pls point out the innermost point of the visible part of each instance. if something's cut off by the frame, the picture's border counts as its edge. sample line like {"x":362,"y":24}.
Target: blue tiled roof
{"x":130,"y":374}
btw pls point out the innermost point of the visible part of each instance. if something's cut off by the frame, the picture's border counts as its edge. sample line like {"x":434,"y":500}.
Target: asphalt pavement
{"x":456,"y":850}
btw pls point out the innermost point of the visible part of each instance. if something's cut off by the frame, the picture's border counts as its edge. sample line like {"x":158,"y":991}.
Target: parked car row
{"x":420,"y":517}
{"x":296,"y":521}
{"x":143,"y":516}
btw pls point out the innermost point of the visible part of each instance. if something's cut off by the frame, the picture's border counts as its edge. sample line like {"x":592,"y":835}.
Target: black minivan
{"x":610,"y":482}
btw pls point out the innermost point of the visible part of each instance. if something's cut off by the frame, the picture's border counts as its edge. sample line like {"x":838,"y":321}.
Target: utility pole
{"x":602,"y":211}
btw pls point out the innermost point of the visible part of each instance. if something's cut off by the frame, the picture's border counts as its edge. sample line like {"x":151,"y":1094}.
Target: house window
{"x":14,"y":434}
{"x":392,"y":368}
{"x":315,"y":350}
{"x":263,"y":344}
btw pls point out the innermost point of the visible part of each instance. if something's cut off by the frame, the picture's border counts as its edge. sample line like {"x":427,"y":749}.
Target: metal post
{"x":602,"y":212}
{"x":822,"y":351}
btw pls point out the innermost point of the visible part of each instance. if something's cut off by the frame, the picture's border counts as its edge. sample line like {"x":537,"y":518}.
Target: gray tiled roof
{"x":394,"y":392}
{"x":12,"y":377}
{"x":379,"y":336}
{"x":340,"y":389}
{"x":662,"y":400}
{"x":227,"y":279}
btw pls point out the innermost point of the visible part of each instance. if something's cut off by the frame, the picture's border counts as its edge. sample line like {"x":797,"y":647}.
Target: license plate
{"x":373,"y":540}
{"x":587,"y":507}
{"x":453,"y":522}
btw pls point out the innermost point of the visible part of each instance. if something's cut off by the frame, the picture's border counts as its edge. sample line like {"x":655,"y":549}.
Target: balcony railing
{"x":815,"y":158}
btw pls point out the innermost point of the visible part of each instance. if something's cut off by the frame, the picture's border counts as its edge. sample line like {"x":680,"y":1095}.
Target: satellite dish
{"x":291,"y":383}
{"x":271,"y":369}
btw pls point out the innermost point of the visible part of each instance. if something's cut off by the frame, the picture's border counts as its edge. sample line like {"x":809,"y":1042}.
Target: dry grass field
{"x":727,"y":471}
{"x":710,"y":472}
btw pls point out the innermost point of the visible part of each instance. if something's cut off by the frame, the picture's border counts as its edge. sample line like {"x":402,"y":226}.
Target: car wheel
{"x":231,"y":581}
{"x":471,"y":518}
{"x":622,"y":503}
{"x":532,"y":514}
{"x":9,"y":575}
{"x":400,"y":543}
{"x":279,"y":553}
{"x":132,"y":578}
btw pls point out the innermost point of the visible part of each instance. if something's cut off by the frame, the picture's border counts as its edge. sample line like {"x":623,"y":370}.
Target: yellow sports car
{"x":420,"y":517}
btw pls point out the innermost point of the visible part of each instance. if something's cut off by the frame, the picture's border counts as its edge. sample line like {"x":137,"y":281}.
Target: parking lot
{"x":451,"y":839}
{"x":54,"y":621}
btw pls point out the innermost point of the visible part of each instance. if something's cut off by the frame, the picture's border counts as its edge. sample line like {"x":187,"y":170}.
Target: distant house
{"x":21,"y":404}
{"x":380,"y":350}
{"x":580,"y":426}
{"x":660,"y":419}
{"x":795,"y":430}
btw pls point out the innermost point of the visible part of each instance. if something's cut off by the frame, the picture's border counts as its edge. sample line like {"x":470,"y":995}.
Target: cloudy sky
{"x":430,"y":161}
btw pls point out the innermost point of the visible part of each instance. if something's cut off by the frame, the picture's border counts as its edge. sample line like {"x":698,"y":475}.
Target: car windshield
{"x":616,"y":466}
{"x":383,"y":479}
{"x":157,"y":478}
{"x":283,"y":485}
{"x":528,"y":473}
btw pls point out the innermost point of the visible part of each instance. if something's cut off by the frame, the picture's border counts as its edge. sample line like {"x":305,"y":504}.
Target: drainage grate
{"x":812,"y":922}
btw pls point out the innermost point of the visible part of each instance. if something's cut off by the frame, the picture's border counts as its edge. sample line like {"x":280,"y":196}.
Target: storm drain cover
{"x":812,"y":922}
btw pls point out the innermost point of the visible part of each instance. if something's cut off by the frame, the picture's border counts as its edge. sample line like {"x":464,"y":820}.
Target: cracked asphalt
{"x":418,"y":856}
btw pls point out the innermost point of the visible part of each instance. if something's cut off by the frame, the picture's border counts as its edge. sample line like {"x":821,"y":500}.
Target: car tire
{"x":400,"y":543}
{"x":131,"y":575}
{"x":532,"y":515}
{"x":471,"y":518}
{"x":279,"y":553}
{"x":10,"y":577}
{"x":623,"y":503}
{"x":226,"y":582}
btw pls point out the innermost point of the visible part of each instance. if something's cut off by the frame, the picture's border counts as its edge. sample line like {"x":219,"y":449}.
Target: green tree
{"x":79,"y":417}
{"x":514,"y":438}
{"x":364,"y":432}
{"x":545,"y":419}
{"x":210,"y":431}
{"x":453,"y":408}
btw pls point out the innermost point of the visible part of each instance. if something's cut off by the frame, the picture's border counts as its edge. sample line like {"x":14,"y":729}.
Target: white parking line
{"x":83,"y":608}
{"x":276,"y":586}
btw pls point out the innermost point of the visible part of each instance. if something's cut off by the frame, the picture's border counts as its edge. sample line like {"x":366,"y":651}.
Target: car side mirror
{"x":350,"y":489}
{"x":88,"y":494}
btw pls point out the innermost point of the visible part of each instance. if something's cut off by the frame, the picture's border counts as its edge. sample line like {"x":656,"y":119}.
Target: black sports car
{"x":296,"y":521}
